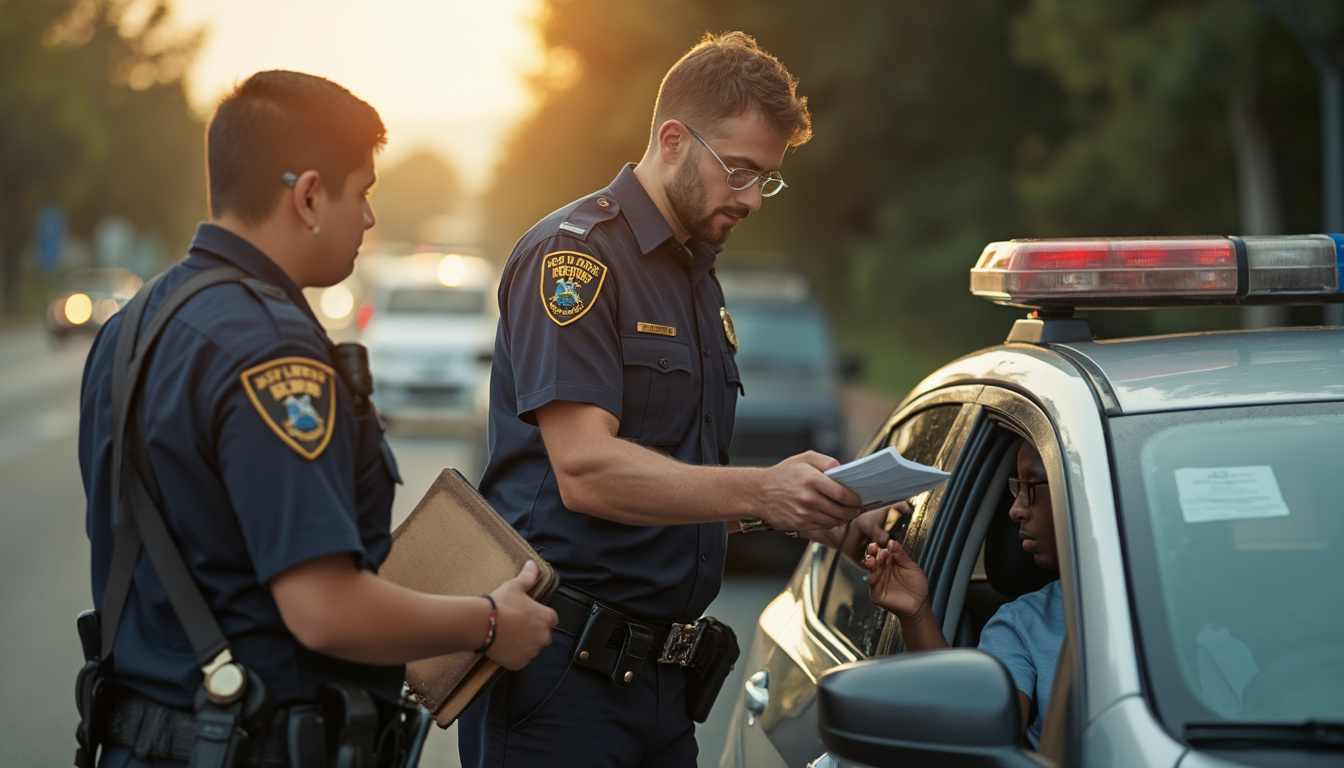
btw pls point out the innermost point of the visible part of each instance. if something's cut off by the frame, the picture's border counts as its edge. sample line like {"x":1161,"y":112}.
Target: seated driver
{"x":1025,"y":634}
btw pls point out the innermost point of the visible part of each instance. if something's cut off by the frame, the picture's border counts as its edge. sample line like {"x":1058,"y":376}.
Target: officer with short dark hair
{"x":276,"y":483}
{"x":614,"y":381}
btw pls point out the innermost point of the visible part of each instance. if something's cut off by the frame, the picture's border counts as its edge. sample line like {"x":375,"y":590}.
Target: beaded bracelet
{"x":494,"y":622}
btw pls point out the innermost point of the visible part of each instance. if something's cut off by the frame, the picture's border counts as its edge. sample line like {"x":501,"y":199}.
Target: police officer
{"x":275,"y":487}
{"x":613,"y":383}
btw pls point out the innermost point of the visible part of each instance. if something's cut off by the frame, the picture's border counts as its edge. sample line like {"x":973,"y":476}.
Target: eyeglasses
{"x":742,"y":178}
{"x":1016,"y":487}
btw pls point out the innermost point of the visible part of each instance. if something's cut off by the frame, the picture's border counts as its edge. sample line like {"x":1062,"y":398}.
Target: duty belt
{"x":154,"y":731}
{"x":615,"y":644}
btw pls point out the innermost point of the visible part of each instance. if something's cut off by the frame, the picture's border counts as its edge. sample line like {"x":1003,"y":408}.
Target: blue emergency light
{"x":1121,"y":273}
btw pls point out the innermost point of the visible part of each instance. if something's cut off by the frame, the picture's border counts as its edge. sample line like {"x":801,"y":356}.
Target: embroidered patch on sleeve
{"x":296,"y":398}
{"x":570,"y":283}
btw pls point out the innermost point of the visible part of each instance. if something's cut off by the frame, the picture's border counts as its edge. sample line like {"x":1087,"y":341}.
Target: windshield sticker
{"x":1215,"y":494}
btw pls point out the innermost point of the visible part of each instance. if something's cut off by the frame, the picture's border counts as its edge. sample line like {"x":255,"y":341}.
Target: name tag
{"x":661,"y":330}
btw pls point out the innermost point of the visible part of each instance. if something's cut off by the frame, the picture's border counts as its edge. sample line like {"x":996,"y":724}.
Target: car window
{"x":845,"y":606}
{"x":435,"y":300}
{"x":786,"y":337}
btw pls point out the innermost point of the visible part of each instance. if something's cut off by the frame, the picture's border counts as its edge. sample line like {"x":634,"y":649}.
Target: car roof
{"x":1218,"y":369}
{"x":1162,"y":373}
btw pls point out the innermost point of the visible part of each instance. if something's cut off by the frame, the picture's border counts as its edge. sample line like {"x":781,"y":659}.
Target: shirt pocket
{"x":732,"y":389}
{"x":660,"y":399}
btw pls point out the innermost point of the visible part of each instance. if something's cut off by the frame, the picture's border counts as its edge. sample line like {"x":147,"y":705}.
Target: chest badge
{"x":570,"y":283}
{"x":296,"y":399}
{"x":728,"y":327}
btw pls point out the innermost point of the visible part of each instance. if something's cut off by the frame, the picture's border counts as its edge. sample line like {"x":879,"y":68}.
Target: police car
{"x":1196,"y":486}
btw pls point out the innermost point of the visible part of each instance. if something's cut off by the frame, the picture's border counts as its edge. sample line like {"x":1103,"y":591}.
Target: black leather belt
{"x":577,"y":611}
{"x":154,"y":731}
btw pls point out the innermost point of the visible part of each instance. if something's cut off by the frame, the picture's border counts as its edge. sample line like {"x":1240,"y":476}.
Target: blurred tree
{"x":594,"y":92}
{"x":940,"y":127}
{"x":1186,"y":117}
{"x":94,"y":115}
{"x":420,"y":186}
{"x":134,"y":64}
{"x":921,"y":120}
{"x":47,"y":129}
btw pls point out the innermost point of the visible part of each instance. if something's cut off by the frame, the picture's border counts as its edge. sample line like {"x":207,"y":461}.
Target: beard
{"x":686,"y":195}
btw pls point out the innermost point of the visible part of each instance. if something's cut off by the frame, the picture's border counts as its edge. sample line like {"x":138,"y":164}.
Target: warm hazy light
{"x":447,"y":74}
{"x":78,"y":309}
{"x":452,"y":269}
{"x":337,"y":302}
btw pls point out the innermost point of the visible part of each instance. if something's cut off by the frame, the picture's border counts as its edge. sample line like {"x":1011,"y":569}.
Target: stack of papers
{"x":886,"y":477}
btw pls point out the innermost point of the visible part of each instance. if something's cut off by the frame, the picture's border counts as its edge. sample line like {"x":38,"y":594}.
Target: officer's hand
{"x":524,"y":624}
{"x":796,"y":495}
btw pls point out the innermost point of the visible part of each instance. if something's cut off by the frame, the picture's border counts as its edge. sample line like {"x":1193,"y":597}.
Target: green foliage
{"x":94,"y":115}
{"x":418,"y":187}
{"x":940,"y":127}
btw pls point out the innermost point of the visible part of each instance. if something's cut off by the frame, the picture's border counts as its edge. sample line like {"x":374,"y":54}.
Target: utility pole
{"x":1328,"y":71}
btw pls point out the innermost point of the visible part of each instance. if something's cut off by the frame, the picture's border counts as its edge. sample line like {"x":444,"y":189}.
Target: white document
{"x":886,"y":476}
{"x":1212,"y":494}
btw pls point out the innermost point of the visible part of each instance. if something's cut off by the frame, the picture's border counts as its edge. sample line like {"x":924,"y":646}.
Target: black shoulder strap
{"x":135,"y":491}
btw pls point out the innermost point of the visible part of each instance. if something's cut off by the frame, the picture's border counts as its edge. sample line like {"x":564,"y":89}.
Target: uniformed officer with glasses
{"x":612,"y":396}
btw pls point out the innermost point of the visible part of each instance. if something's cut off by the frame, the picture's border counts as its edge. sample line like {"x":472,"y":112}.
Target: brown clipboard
{"x":455,"y":543}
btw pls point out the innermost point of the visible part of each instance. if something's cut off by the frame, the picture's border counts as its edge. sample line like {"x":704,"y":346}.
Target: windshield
{"x":1234,"y":521}
{"x":788,"y":337}
{"x":435,"y":300}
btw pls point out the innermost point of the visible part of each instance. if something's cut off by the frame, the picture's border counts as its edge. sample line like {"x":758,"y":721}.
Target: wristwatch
{"x":754,"y":526}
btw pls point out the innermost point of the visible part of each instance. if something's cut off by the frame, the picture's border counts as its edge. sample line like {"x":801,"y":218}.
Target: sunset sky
{"x":448,"y":74}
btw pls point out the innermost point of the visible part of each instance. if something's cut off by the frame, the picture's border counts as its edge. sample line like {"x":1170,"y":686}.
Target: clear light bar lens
{"x":1300,"y":264}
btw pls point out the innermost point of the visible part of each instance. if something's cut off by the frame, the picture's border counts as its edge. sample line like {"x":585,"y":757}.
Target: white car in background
{"x":429,"y":326}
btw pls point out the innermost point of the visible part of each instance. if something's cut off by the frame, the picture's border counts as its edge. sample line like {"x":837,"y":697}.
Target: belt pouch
{"x":592,"y":650}
{"x":306,"y":737}
{"x":715,"y":655}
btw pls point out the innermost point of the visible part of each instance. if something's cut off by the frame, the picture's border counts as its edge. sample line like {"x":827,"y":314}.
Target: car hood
{"x":430,"y":332}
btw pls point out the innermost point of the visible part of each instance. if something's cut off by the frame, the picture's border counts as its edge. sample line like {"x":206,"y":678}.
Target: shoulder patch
{"x":296,"y":398}
{"x":570,"y":283}
{"x":589,"y":213}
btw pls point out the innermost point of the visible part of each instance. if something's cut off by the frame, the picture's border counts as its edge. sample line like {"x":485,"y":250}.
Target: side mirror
{"x":937,"y":709}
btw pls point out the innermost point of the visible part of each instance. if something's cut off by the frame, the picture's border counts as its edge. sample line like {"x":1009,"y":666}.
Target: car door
{"x":825,"y":618}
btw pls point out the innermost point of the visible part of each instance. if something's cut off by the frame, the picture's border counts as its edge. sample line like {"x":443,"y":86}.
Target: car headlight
{"x":78,"y":308}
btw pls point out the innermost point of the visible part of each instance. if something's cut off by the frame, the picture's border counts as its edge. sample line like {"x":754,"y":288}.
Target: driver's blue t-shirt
{"x":1026,"y":635}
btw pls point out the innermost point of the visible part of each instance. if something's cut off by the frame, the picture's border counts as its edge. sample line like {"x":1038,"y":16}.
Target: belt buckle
{"x":681,"y":643}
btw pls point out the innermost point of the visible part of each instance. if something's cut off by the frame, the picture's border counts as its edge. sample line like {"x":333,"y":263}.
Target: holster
{"x":89,"y":699}
{"x":711,"y":660}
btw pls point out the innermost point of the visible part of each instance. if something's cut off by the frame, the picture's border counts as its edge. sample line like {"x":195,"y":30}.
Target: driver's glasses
{"x":1016,"y":487}
{"x":742,"y":178}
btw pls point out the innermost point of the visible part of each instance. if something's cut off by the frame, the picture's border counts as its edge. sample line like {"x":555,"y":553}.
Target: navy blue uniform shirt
{"x":263,"y":463}
{"x":600,"y":304}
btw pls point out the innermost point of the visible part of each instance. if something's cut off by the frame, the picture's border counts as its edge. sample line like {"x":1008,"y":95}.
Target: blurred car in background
{"x":86,"y":298}
{"x":791,"y":372}
{"x":792,"y":378}
{"x":429,"y":326}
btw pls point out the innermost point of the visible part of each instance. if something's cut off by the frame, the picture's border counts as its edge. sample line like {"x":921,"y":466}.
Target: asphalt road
{"x":44,"y":580}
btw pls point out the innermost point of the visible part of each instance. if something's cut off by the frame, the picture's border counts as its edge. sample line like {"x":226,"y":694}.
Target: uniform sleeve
{"x":1003,"y":639}
{"x":559,"y":307}
{"x":286,"y":443}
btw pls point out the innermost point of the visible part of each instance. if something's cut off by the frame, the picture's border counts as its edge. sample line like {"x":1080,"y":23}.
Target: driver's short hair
{"x":277,"y":122}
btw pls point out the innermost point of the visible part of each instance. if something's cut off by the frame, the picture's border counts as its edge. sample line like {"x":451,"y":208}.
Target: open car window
{"x":923,"y":437}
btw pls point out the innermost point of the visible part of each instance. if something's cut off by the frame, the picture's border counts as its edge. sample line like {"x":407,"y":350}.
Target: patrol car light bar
{"x":1169,"y":271}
